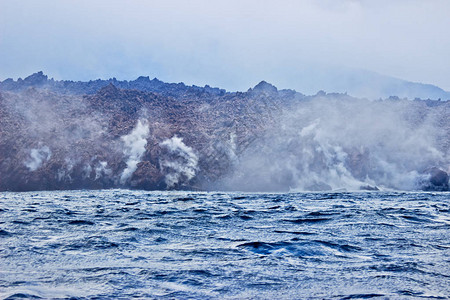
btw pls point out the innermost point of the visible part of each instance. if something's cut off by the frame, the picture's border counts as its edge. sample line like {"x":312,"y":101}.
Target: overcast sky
{"x":232,"y":44}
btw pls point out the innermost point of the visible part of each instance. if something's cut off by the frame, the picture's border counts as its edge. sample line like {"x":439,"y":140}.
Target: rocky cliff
{"x":147,"y":134}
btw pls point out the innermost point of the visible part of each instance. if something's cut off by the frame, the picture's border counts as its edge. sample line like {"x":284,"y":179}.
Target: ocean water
{"x":181,"y":245}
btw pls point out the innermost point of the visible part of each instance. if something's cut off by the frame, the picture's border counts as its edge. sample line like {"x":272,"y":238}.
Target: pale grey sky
{"x":232,"y":44}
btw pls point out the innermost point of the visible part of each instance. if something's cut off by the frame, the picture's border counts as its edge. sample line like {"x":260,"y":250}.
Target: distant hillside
{"x":361,"y":83}
{"x":147,"y":134}
{"x":373,"y":85}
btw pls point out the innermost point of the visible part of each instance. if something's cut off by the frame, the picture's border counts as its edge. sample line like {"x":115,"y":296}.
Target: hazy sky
{"x":232,"y":44}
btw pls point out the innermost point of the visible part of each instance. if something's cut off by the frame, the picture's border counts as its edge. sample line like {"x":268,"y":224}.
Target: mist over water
{"x":107,"y":243}
{"x":189,"y":182}
{"x":331,"y":143}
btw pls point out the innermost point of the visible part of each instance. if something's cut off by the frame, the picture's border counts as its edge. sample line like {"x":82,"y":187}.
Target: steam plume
{"x":37,"y":157}
{"x":102,"y":169}
{"x":183,"y":164}
{"x":329,"y":144}
{"x":134,"y":148}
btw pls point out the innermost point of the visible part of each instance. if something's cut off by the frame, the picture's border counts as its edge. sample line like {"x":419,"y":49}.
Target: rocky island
{"x":148,"y":134}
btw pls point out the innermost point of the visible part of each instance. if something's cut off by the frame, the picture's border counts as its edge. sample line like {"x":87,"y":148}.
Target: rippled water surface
{"x":123,"y":244}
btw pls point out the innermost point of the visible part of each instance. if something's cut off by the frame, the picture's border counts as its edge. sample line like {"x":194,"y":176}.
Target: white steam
{"x":65,"y":173}
{"x":102,"y":169}
{"x":328,"y":144}
{"x":37,"y":157}
{"x":134,"y":148}
{"x":183,"y":162}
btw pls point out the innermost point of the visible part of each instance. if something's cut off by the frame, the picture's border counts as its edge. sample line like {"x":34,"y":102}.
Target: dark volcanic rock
{"x":368,"y":188}
{"x":36,"y":79}
{"x":438,"y":180}
{"x":264,"y":87}
{"x":74,"y":135}
{"x":40,"y":80}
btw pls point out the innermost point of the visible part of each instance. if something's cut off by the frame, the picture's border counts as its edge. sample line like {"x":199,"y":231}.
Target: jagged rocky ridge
{"x":147,"y":134}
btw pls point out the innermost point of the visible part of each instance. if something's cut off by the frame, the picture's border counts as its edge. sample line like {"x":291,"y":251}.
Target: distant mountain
{"x":373,"y":86}
{"x":356,"y":82}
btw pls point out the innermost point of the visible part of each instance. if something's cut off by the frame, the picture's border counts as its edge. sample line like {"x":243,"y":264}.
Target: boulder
{"x":437,"y":181}
{"x":368,"y":188}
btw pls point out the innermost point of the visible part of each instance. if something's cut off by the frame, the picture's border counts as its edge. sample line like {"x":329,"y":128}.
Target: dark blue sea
{"x":192,"y":245}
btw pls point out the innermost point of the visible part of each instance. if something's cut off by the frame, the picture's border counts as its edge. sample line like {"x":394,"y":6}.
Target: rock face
{"x":147,"y":134}
{"x":438,"y":180}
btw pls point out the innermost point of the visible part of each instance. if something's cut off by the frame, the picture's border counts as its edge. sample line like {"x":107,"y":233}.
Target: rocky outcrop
{"x":40,"y":80}
{"x":437,"y":180}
